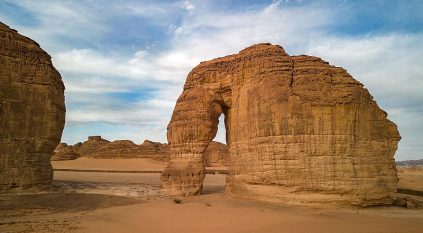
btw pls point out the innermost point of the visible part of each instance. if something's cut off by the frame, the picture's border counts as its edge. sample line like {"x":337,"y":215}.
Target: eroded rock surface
{"x":298,"y":129}
{"x":32,"y":113}
{"x":64,"y":152}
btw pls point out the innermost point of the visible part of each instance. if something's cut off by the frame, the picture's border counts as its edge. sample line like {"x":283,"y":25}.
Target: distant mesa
{"x":418,"y":162}
{"x":217,"y":154}
{"x":298,"y":130}
{"x":90,"y":146}
{"x":32,"y":113}
{"x":94,"y":138}
{"x":99,"y":148}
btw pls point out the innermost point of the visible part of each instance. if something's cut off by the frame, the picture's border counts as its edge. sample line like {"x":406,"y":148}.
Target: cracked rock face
{"x":32,"y":113}
{"x":298,"y":130}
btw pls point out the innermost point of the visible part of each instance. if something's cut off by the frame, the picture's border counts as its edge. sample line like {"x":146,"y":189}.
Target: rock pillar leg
{"x":193,"y":125}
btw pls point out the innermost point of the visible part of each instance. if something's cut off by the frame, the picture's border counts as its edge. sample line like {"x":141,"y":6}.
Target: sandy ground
{"x":132,"y":202}
{"x":215,"y":213}
{"x":410,"y":177}
{"x":110,"y":164}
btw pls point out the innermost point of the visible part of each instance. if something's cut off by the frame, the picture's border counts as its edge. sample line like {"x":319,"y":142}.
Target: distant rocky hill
{"x":418,"y":162}
{"x":217,"y":154}
{"x":64,"y":152}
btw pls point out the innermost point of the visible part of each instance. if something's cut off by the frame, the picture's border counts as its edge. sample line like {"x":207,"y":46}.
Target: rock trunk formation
{"x":298,"y":130}
{"x":32,"y":113}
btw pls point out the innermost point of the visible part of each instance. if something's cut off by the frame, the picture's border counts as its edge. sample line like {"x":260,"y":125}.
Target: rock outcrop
{"x":90,"y":146}
{"x":32,"y":113}
{"x":216,"y":155}
{"x":298,"y":129}
{"x":127,"y":149}
{"x":97,"y":147}
{"x":64,"y":152}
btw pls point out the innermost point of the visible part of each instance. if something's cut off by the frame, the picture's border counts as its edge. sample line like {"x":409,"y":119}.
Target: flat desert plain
{"x":123,"y":195}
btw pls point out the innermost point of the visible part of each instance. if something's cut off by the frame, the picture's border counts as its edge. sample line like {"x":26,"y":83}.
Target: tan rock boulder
{"x":32,"y":113}
{"x":216,"y":155}
{"x":64,"y":152}
{"x":298,"y":129}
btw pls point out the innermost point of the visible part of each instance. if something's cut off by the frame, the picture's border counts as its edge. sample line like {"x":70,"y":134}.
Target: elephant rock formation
{"x":298,"y":130}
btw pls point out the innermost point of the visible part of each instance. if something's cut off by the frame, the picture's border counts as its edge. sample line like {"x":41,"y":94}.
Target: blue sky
{"x":124,"y":62}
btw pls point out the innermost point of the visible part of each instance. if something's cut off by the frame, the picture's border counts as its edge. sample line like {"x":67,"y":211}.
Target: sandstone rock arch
{"x":32,"y":113}
{"x":297,"y":128}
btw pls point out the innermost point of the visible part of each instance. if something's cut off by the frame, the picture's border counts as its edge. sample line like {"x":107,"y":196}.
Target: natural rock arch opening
{"x":221,"y":130}
{"x":298,"y":129}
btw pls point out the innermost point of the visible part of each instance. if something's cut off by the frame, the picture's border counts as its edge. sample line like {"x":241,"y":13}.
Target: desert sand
{"x":410,"y":177}
{"x":110,"y":164}
{"x":132,"y":202}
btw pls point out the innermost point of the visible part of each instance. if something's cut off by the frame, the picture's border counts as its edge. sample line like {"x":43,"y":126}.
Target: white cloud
{"x":388,"y":65}
{"x":188,"y":6}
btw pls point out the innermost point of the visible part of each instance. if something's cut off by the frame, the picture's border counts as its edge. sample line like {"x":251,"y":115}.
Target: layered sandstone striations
{"x":64,"y":152}
{"x":298,"y":129}
{"x":32,"y":113}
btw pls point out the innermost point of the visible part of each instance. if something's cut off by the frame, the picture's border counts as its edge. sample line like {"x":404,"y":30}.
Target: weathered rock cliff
{"x":298,"y":129}
{"x":32,"y":113}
